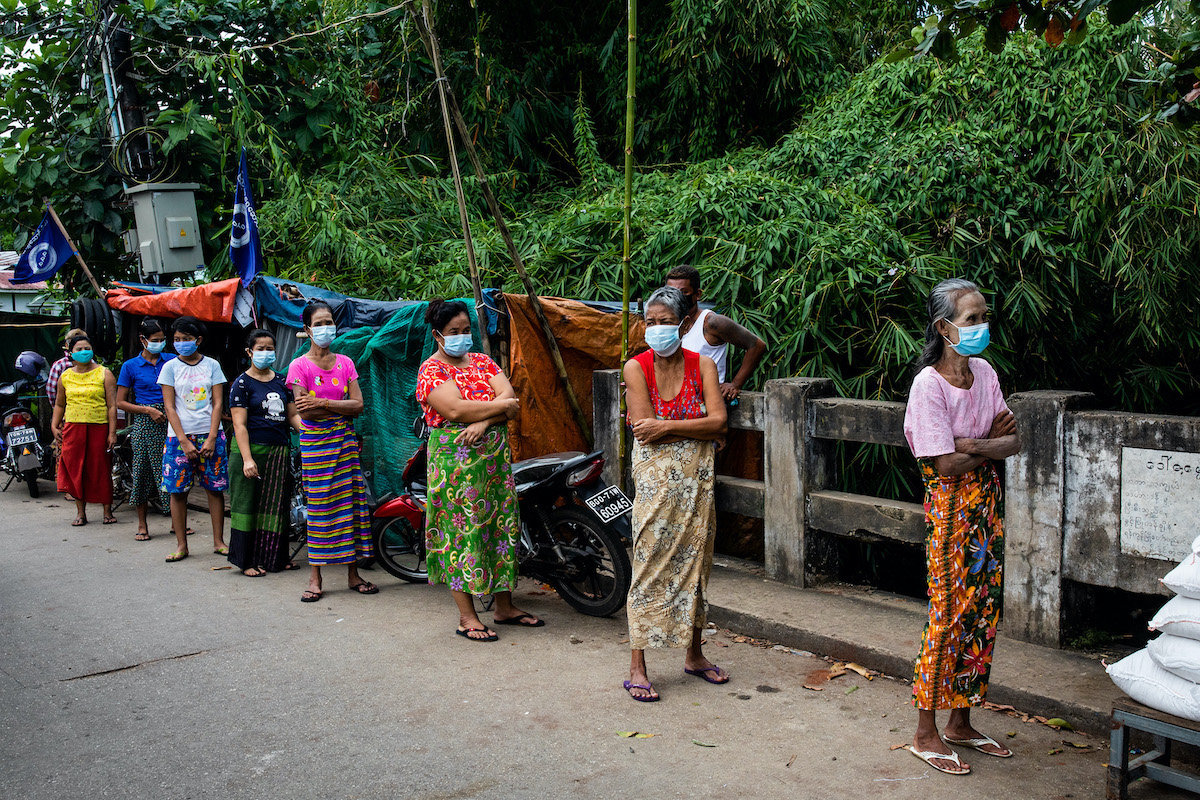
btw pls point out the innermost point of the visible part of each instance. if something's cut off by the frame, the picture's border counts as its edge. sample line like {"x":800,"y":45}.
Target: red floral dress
{"x":472,"y":381}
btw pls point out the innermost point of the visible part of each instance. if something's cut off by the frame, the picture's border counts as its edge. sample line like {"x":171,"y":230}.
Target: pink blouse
{"x":330,"y":384}
{"x":938,"y":412}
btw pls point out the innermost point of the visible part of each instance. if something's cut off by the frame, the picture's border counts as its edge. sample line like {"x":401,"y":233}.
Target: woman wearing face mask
{"x":325,"y":387}
{"x":958,"y":426}
{"x":676,"y":414}
{"x":193,"y":387}
{"x":472,"y":524}
{"x":85,"y":425}
{"x":260,"y":475}
{"x":140,"y":397}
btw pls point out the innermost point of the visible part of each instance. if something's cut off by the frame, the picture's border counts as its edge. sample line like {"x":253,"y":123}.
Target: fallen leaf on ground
{"x":739,"y":639}
{"x":1056,"y":722}
{"x":852,"y":689}
{"x":860,"y":669}
{"x":1055,"y":751}
{"x":717,"y":642}
{"x":633,"y":735}
{"x":790,"y":760}
{"x":900,"y":746}
{"x":1079,"y":745}
{"x":1011,"y":734}
{"x":623,"y":641}
{"x":214,"y":569}
{"x":997,"y":707}
{"x":814,"y":688}
{"x":702,"y":744}
{"x":1042,"y":720}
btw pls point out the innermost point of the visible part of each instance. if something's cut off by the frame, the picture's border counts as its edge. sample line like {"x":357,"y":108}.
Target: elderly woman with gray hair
{"x":958,"y":427}
{"x":676,"y":414}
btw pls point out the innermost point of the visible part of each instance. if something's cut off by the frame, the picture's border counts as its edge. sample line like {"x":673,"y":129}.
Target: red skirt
{"x":85,"y":467}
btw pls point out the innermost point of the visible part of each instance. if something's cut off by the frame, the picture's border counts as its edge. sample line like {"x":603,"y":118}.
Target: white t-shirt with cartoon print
{"x":194,"y":387}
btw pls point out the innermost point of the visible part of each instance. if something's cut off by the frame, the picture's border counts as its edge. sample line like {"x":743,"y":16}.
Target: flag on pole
{"x":47,"y":250}
{"x":245,"y":251}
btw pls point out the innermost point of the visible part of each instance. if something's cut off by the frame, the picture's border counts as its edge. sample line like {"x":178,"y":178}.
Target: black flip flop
{"x":304,"y":598}
{"x":465,"y":633}
{"x":370,"y":588}
{"x":518,"y":621}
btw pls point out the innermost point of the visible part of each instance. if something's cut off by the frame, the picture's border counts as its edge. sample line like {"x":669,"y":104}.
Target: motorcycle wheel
{"x":400,"y":549}
{"x":31,"y":482}
{"x":603,"y":591}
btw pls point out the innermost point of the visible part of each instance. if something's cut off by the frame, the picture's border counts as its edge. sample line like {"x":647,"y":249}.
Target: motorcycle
{"x":122,"y":476}
{"x":22,"y":455}
{"x":574,"y":527}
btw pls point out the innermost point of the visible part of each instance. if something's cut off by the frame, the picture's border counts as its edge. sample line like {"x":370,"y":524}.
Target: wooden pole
{"x":429,"y":39}
{"x":442,"y":86}
{"x":630,"y":97}
{"x":75,"y":251}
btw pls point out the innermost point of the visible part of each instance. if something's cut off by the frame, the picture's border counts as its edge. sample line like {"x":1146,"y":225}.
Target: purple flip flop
{"x":701,"y":673}
{"x":648,"y":687}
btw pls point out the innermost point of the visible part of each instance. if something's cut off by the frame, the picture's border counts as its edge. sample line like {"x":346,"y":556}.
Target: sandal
{"x":179,"y":555}
{"x":365,"y":587}
{"x":291,"y":565}
{"x":310,"y":596}
{"x":254,"y":572}
{"x":719,"y":675}
{"x":520,"y":620}
{"x":979,"y":743}
{"x":466,"y":634}
{"x":79,"y":522}
{"x":647,"y":686}
{"x":110,"y":521}
{"x":142,"y":536}
{"x":187,"y":532}
{"x":221,"y":551}
{"x":929,"y":756}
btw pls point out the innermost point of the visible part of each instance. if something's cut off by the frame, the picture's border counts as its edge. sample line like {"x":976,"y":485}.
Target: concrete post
{"x":1035,"y":483}
{"x":795,"y":464}
{"x":606,"y":387}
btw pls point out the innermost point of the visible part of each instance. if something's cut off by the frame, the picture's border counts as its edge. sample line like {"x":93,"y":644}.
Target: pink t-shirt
{"x":938,"y":412}
{"x":330,"y":384}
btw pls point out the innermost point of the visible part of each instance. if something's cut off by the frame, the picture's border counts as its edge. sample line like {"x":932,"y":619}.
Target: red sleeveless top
{"x":689,"y":403}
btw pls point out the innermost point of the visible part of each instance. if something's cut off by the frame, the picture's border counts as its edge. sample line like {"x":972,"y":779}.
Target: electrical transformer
{"x":167,"y":237}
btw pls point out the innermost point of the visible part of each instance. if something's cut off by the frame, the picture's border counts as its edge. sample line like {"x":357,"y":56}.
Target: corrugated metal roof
{"x":6,"y":284}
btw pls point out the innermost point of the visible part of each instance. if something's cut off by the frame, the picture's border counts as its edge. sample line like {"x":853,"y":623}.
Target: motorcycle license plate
{"x":609,"y":503}
{"x":22,"y":436}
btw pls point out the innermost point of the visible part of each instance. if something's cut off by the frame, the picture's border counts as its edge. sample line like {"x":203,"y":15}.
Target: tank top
{"x":689,"y":403}
{"x":695,"y":341}
{"x":85,"y":396}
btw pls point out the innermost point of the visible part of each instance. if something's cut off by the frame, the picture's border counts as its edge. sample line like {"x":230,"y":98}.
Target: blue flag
{"x":245,"y":251}
{"x":46,"y":252}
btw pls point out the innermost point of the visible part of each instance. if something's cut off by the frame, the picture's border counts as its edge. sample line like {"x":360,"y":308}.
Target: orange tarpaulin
{"x":211,"y":302}
{"x":589,"y":340}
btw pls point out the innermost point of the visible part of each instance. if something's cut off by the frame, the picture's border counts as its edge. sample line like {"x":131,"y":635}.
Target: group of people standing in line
{"x":957,"y":426}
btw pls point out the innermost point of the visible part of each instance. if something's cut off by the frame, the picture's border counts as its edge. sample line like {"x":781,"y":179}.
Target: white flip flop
{"x":979,"y":743}
{"x":928,"y":755}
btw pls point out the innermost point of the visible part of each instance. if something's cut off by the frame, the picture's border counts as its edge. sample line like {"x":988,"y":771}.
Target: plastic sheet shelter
{"x":209,"y":302}
{"x":589,"y":339}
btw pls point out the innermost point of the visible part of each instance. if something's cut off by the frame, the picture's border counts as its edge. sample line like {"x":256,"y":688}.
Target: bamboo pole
{"x":442,"y":86}
{"x":429,"y":39}
{"x":630,"y":98}
{"x":75,"y":251}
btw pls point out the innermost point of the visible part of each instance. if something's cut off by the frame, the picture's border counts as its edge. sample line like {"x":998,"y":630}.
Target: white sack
{"x":1185,"y":578}
{"x":1177,"y":655}
{"x":1151,"y":685}
{"x":1179,"y":617}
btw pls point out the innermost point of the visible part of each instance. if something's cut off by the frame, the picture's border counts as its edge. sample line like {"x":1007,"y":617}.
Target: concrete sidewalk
{"x":883,"y":632}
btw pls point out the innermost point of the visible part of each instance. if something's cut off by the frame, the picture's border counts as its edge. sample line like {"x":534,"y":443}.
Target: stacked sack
{"x":1166,"y":674}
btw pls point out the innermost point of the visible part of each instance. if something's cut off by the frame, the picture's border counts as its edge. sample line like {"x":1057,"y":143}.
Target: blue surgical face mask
{"x":82,"y":356}
{"x":186,"y":349}
{"x":663,"y":339}
{"x":972,"y":339}
{"x":458,"y":345}
{"x":263,"y":359}
{"x":155,"y":347}
{"x":322,"y":335}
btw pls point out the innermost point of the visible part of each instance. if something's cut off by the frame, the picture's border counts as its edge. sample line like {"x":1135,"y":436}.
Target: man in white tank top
{"x":710,"y":334}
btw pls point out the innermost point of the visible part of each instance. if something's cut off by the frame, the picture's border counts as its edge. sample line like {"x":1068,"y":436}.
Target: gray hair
{"x":942,"y":304}
{"x":670,"y":298}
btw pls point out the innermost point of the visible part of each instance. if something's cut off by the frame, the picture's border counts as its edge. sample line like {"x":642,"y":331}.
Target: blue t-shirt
{"x":266,"y":408}
{"x":141,"y":377}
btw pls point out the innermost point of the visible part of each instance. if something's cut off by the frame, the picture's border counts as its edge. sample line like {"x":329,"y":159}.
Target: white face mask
{"x":663,"y":339}
{"x":322,"y":335}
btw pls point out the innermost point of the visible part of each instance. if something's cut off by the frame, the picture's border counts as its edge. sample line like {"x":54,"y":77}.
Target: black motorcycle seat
{"x":532,"y":470}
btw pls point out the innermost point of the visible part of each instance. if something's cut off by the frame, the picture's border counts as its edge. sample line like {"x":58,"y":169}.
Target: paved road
{"x":122,"y":676}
